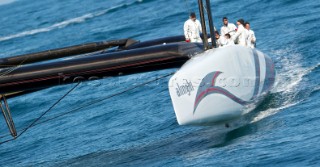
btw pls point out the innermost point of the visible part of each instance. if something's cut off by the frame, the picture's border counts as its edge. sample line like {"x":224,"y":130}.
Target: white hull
{"x":220,"y":85}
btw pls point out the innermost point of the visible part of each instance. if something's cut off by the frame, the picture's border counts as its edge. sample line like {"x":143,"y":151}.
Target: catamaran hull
{"x":220,"y":85}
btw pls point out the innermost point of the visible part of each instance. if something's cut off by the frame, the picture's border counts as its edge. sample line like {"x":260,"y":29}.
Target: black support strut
{"x":7,"y":115}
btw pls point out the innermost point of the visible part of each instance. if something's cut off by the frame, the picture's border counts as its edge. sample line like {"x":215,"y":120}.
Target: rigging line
{"x":86,"y":105}
{"x":42,"y":115}
{"x":105,"y":98}
{"x":11,"y":69}
{"x":205,"y":8}
{"x":84,"y":55}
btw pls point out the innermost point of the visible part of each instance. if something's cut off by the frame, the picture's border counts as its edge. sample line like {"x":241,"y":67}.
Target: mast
{"x":211,"y":25}
{"x":203,"y":24}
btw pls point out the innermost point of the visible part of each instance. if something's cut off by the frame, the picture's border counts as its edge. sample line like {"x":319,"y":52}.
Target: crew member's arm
{"x":231,"y":29}
{"x":253,"y":40}
{"x":237,"y":34}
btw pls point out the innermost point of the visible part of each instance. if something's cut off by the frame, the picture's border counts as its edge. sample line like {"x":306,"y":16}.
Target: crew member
{"x":251,"y":38}
{"x":192,"y":29}
{"x":240,"y":36}
{"x":219,"y":40}
{"x":227,"y":28}
{"x":228,"y":40}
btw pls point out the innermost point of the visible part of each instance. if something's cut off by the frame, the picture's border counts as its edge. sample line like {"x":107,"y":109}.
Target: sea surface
{"x":139,"y":128}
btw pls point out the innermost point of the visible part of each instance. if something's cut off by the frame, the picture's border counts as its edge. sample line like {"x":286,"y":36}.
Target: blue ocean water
{"x":139,"y":128}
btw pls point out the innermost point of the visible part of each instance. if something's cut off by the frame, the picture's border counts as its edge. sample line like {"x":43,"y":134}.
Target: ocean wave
{"x":271,"y":111}
{"x":68,"y":22}
{"x":290,"y":72}
{"x":5,"y":2}
{"x":289,"y":77}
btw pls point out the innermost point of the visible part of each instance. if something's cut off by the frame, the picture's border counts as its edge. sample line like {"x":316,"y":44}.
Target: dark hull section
{"x":63,"y":52}
{"x":159,"y":41}
{"x":142,"y":59}
{"x":122,"y":44}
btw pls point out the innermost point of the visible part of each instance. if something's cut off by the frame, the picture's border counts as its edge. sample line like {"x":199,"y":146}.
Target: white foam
{"x":291,"y":72}
{"x":63,"y":24}
{"x":271,"y":111}
{"x":5,"y":2}
{"x":289,"y":76}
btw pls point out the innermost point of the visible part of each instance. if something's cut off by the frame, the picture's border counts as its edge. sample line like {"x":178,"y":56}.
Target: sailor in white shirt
{"x":240,"y":37}
{"x":219,"y":39}
{"x":251,"y":38}
{"x":227,"y":28}
{"x":192,"y":29}
{"x":228,"y":40}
